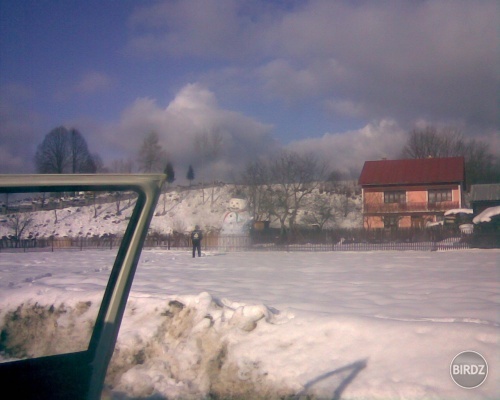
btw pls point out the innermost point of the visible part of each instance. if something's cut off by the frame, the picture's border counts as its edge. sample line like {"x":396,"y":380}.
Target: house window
{"x":391,"y":222}
{"x":439,"y":195}
{"x":396,"y":196}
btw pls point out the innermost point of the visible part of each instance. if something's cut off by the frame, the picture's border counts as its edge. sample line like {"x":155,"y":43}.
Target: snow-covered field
{"x":331,"y":325}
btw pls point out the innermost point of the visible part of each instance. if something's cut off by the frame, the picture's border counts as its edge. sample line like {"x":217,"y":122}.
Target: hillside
{"x":178,"y":209}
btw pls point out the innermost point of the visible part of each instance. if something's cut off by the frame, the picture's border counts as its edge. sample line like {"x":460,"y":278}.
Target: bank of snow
{"x":177,"y":210}
{"x":487,"y":215}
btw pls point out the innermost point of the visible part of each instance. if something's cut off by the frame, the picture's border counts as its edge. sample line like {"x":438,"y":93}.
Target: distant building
{"x":484,"y":196}
{"x":412,"y":192}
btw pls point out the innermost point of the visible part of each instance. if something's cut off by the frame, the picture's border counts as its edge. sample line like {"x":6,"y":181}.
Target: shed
{"x":484,"y":196}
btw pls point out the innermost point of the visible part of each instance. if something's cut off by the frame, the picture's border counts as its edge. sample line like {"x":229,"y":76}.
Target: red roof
{"x":413,"y":171}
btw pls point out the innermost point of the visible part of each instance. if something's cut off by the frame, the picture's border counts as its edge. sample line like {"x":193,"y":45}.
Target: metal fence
{"x":229,"y":243}
{"x":245,"y":243}
{"x":418,"y":246}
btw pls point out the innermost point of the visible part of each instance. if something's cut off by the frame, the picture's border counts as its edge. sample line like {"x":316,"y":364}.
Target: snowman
{"x":237,"y":220}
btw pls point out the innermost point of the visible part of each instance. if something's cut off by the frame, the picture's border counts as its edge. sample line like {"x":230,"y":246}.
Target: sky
{"x":346,"y":80}
{"x":326,"y":325}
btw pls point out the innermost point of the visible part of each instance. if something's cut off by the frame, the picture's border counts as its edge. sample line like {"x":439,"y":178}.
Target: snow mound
{"x":486,"y":215}
{"x":459,"y":211}
{"x":191,"y":351}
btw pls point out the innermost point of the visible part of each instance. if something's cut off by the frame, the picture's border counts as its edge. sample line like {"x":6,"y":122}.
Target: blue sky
{"x":346,"y":80}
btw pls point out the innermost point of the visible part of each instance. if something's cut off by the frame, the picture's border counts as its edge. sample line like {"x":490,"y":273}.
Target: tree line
{"x":66,"y":151}
{"x":286,"y":187}
{"x":481,"y":165}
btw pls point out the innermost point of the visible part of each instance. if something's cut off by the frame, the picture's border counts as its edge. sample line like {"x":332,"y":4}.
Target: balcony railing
{"x":409,"y":207}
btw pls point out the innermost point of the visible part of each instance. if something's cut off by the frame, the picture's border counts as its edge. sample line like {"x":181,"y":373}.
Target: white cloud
{"x":347,"y":151}
{"x":283,"y":80}
{"x":345,"y":108}
{"x":192,"y":113}
{"x":204,"y":28}
{"x":408,"y":60}
{"x":403,"y":59}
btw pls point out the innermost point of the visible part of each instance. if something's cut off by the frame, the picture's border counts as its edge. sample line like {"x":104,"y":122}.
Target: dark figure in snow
{"x":196,"y":237}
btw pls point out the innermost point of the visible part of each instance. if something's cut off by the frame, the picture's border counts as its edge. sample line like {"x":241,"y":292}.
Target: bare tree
{"x":80,"y":157}
{"x":291,"y":177}
{"x":429,"y":142}
{"x":98,"y":164}
{"x":481,"y":165}
{"x":320,"y":210}
{"x":346,"y":190}
{"x":18,"y":223}
{"x":253,"y":179}
{"x":121,"y":166}
{"x":209,"y":146}
{"x":64,"y":151}
{"x":52,"y":154}
{"x":152,"y":156}
{"x":306,"y":175}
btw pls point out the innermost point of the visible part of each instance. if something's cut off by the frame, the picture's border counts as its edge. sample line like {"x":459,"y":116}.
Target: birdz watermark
{"x":469,"y":369}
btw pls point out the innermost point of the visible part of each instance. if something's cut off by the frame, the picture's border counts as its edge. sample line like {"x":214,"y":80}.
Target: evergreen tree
{"x":190,"y":175}
{"x":169,"y":171}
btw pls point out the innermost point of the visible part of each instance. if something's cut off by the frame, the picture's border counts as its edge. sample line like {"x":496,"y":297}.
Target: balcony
{"x":384,"y":208}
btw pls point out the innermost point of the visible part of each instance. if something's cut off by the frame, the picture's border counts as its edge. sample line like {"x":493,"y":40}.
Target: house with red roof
{"x":412,"y":192}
